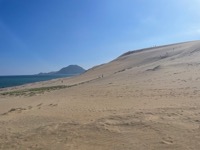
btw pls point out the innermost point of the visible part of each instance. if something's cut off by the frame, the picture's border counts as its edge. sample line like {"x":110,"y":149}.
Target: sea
{"x":10,"y":81}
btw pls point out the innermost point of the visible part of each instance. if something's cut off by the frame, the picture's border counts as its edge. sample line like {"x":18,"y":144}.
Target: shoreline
{"x":33,"y":82}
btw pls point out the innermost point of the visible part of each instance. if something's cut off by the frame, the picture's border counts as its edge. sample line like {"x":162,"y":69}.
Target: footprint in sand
{"x":167,"y":141}
{"x":14,"y":110}
{"x":53,"y":105}
{"x":30,"y":107}
{"x":39,"y":105}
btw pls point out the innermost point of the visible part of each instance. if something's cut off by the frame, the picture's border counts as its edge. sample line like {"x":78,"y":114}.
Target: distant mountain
{"x":69,"y":70}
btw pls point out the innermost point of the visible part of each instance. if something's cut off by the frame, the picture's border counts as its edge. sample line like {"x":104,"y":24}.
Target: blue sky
{"x":46,"y":35}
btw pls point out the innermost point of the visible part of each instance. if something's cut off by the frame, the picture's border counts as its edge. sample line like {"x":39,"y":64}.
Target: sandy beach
{"x":146,"y":99}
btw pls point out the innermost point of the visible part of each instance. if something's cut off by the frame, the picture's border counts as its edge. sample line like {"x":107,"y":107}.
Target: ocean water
{"x":9,"y":81}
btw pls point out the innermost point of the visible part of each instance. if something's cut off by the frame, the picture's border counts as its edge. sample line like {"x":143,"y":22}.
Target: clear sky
{"x":46,"y":35}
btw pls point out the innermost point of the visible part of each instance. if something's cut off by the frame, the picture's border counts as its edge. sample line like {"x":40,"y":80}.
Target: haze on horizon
{"x":42,"y":36}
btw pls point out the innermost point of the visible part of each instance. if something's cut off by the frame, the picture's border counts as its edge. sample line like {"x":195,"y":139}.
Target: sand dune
{"x":146,"y":99}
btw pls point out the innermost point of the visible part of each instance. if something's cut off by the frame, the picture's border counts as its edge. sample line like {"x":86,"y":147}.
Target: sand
{"x":145,"y":100}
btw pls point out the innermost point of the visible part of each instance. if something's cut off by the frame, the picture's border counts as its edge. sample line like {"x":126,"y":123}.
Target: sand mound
{"x":147,"y":99}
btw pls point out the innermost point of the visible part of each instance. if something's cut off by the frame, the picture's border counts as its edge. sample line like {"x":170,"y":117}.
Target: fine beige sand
{"x":146,"y":100}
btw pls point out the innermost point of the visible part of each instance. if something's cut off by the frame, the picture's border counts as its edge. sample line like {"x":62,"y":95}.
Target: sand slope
{"x":147,"y":99}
